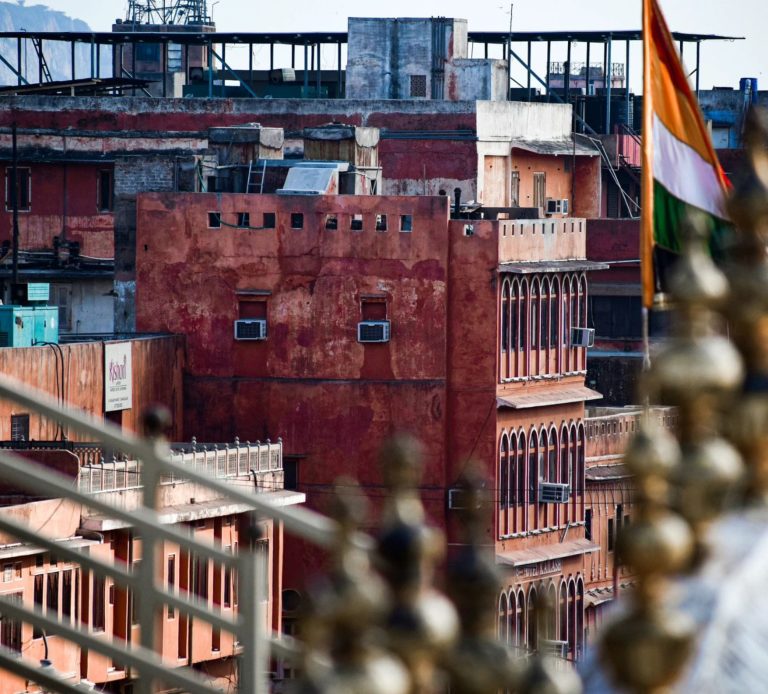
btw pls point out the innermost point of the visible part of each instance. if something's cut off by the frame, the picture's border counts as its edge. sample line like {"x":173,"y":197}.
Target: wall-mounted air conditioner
{"x":557,"y":206}
{"x":582,"y":337}
{"x":457,"y":499}
{"x":373,"y":331}
{"x":553,"y":493}
{"x":251,"y":329}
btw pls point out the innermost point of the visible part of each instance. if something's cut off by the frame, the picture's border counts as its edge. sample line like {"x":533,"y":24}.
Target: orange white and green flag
{"x":680,"y":167}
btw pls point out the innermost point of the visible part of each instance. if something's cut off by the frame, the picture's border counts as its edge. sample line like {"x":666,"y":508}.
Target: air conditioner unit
{"x":457,"y":499}
{"x":557,"y":206}
{"x":553,"y":493}
{"x":582,"y":337}
{"x":373,"y":331}
{"x":251,"y":329}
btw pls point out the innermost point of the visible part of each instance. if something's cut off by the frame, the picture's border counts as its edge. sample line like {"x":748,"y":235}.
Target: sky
{"x":722,"y":62}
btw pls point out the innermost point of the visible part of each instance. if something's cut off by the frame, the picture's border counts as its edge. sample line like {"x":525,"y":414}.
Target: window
{"x":356,"y":222}
{"x":10,"y":629}
{"x":214,"y":220}
{"x":588,"y":524}
{"x":252,"y":307}
{"x":105,"y":192}
{"x":243,"y":219}
{"x":611,"y":536}
{"x":66,"y":596}
{"x":406,"y":222}
{"x":61,"y":296}
{"x":148,"y":52}
{"x":297,"y":220}
{"x":200,"y":578}
{"x":227,"y":599}
{"x":373,"y":308}
{"x":52,"y":595}
{"x":171,"y":583}
{"x":331,"y":222}
{"x":20,"y":428}
{"x":514,"y":189}
{"x":98,"y":617}
{"x":290,"y":473}
{"x":381,"y":222}
{"x":418,"y":86}
{"x":37,"y":632}
{"x":23,"y":188}
{"x":616,"y":316}
{"x":269,"y":221}
{"x":539,"y":189}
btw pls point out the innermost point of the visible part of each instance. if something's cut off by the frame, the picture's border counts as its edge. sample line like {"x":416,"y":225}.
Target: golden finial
{"x":479,"y":663}
{"x":343,"y":629}
{"x":422,"y":624}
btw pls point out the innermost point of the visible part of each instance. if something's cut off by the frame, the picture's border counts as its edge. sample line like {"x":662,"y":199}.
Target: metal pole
{"x":608,"y":86}
{"x":72,"y":59}
{"x":567,"y":74}
{"x":626,"y":82}
{"x":549,"y":55}
{"x":40,"y":62}
{"x":271,"y":56}
{"x":15,"y":203}
{"x":93,"y":56}
{"x":253,"y":660}
{"x":589,"y":81}
{"x":18,"y":61}
{"x":210,"y":69}
{"x":698,"y":67}
{"x":319,"y":71}
{"x":250,"y":63}
{"x":306,"y":71}
{"x":165,"y":68}
{"x":222,"y":71}
{"x":529,"y":72}
{"x":293,"y":55}
{"x":133,"y":64}
{"x":98,"y":60}
{"x":338,"y":76}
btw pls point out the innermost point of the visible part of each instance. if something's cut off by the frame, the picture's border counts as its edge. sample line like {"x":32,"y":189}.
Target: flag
{"x":680,"y":167}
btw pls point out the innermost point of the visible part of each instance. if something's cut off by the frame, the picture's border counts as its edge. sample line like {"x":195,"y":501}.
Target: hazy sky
{"x":722,"y":62}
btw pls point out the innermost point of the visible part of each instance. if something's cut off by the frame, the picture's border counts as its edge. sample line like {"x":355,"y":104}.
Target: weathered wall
{"x":557,"y":170}
{"x":157,"y":370}
{"x":93,"y":307}
{"x":477,"y":79}
{"x":507,"y":120}
{"x":64,"y":203}
{"x":542,"y":240}
{"x":587,"y":190}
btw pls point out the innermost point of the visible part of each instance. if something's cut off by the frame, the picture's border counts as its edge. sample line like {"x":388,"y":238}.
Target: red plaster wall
{"x":558,"y":179}
{"x":157,"y":378}
{"x":611,"y":240}
{"x":63,"y":200}
{"x":587,"y":188}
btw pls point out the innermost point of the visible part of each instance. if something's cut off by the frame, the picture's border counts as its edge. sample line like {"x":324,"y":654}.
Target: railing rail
{"x":147,"y":463}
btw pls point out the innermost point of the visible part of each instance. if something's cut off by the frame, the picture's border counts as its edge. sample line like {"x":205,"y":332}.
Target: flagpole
{"x":646,"y":213}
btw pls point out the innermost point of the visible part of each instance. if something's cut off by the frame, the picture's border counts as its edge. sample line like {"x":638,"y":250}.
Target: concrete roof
{"x":559,"y":396}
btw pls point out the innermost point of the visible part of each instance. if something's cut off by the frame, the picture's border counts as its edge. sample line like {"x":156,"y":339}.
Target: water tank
{"x":749,"y":85}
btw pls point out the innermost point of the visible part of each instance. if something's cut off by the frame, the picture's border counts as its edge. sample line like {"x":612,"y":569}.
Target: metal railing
{"x":219,"y":461}
{"x":154,"y":462}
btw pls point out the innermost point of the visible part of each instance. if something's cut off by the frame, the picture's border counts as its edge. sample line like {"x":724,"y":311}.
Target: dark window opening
{"x":611,"y":535}
{"x":148,"y":52}
{"x":356,"y":223}
{"x":331,"y":222}
{"x":269,"y":221}
{"x":381,"y":222}
{"x":243,"y":219}
{"x":66,"y":596}
{"x":214,"y":220}
{"x":290,"y":474}
{"x":97,"y":605}
{"x":52,"y":596}
{"x":105,"y":192}
{"x":418,"y":86}
{"x":37,"y":632}
{"x":171,"y":583}
{"x":616,"y":316}
{"x":297,"y":220}
{"x":23,"y":188}
{"x":406,"y":222}
{"x":374,"y":309}
{"x":588,"y":524}
{"x":200,"y":578}
{"x":20,"y":428}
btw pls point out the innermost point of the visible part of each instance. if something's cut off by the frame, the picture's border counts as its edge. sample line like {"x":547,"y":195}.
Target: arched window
{"x":563,"y":611}
{"x":580,"y":471}
{"x":512,"y":619}
{"x":579,"y":618}
{"x":521,"y":621}
{"x":552,"y":616}
{"x":533,"y":468}
{"x":575,"y":321}
{"x":552,"y":452}
{"x":554,"y":313}
{"x":532,"y":626}
{"x":541,"y":508}
{"x":544,"y":317}
{"x":504,"y":328}
{"x":521,"y":514}
{"x":503,"y":484}
{"x":583,"y":318}
{"x":514,"y":333}
{"x":524,"y":323}
{"x":514,"y":491}
{"x":566,"y":322}
{"x":534,"y":318}
{"x":502,"y":624}
{"x":565,"y":475}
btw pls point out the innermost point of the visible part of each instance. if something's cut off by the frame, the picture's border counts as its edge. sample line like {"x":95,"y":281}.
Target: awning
{"x":542,"y":553}
{"x":606,"y":473}
{"x":558,"y":147}
{"x":599,"y":596}
{"x":544,"y":398}
{"x":553,"y":266}
{"x":24,"y":550}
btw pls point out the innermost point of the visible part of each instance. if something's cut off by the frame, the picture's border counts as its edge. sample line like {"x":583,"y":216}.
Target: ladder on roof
{"x":255,"y":183}
{"x":45,"y":73}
